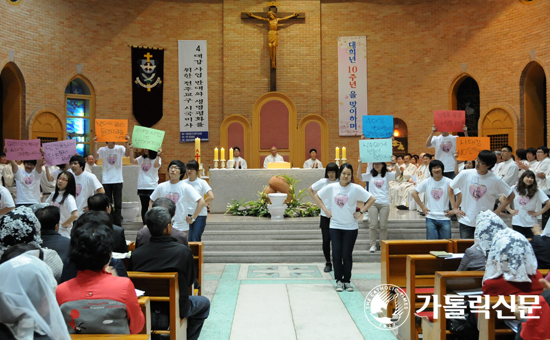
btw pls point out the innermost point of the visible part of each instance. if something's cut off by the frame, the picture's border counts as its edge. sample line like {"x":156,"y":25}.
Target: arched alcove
{"x":499,"y":127}
{"x":79,"y":99}
{"x":400,"y":137}
{"x":533,"y":106}
{"x":465,"y":96}
{"x":313,"y":134}
{"x":13,"y":99}
{"x":47,"y":127}
{"x":235,"y":131}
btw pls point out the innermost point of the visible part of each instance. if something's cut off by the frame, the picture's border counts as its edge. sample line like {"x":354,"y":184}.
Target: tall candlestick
{"x":344,"y":152}
{"x":231,"y":154}
{"x":337,"y":152}
{"x":223,"y":154}
{"x":198,"y":150}
{"x":216,"y":154}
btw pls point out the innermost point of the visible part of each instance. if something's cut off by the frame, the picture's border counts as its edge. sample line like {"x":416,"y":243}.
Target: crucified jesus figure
{"x":272,"y":37}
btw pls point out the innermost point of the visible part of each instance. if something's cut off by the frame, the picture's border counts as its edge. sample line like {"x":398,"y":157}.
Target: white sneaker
{"x":339,"y":286}
{"x":372,"y":248}
{"x":366,"y":217}
{"x":348,"y":287}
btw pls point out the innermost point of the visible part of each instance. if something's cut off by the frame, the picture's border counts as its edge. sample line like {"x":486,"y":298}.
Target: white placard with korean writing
{"x":193,"y":91}
{"x":352,"y":84}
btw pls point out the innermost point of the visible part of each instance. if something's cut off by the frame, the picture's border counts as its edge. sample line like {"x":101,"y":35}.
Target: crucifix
{"x":272,"y":35}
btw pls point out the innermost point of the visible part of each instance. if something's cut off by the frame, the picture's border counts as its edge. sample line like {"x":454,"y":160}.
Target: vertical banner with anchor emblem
{"x":147,"y":84}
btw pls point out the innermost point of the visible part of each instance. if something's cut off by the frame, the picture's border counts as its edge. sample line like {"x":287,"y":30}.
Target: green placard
{"x":147,"y":138}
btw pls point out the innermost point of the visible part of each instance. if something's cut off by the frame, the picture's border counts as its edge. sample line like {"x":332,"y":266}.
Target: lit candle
{"x":337,"y":152}
{"x":223,"y":154}
{"x":216,"y":154}
{"x":344,"y":153}
{"x":231,"y":154}
{"x":198,"y":149}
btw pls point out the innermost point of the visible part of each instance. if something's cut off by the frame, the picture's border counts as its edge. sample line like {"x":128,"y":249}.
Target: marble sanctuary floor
{"x":286,"y":302}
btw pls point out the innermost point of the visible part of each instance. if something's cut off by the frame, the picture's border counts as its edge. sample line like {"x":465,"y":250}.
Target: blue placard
{"x":377,"y":126}
{"x":375,"y":150}
{"x":190,"y":136}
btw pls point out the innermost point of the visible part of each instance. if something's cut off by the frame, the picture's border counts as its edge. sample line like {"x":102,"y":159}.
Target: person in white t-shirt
{"x":445,"y":148}
{"x":528,"y":196}
{"x":112,"y":155}
{"x":64,"y":198}
{"x":273,"y":158}
{"x":8,"y":178}
{"x":344,"y":196}
{"x":87,"y":183}
{"x":313,"y":162}
{"x":90,"y":162}
{"x":148,"y":175}
{"x":479,"y":189}
{"x":509,"y":170}
{"x":435,"y":189}
{"x":201,"y":186}
{"x":28,"y":181}
{"x":238,"y":161}
{"x":6,"y":201}
{"x":331,"y":176}
{"x":182,"y":194}
{"x":378,"y":178}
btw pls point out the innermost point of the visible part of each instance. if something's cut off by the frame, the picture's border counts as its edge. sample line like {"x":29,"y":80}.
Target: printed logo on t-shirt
{"x":477,"y":191}
{"x":341,"y":200}
{"x":174,"y":196}
{"x":437,"y":193}
{"x":78,"y":189}
{"x":145,"y":167}
{"x":523,"y":200}
{"x":112,"y":159}
{"x":29,"y":179}
{"x":446,"y":147}
{"x":379,"y":183}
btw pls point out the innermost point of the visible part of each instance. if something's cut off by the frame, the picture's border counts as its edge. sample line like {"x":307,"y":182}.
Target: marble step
{"x":270,"y":245}
{"x":283,"y":256}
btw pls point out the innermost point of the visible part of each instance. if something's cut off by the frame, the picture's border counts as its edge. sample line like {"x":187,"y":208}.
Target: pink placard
{"x":59,"y":152}
{"x":449,"y":121}
{"x":23,"y":150}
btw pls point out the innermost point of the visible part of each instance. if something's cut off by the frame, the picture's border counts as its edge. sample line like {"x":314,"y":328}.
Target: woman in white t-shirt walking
{"x":197,"y":226}
{"x":379,"y":178}
{"x":64,"y":198}
{"x":148,"y":175}
{"x":527,"y":197}
{"x":343,"y":221}
{"x":331,"y":176}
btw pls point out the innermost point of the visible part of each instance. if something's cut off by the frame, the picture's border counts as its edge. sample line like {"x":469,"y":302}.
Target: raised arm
{"x":49,"y":175}
{"x":429,"y":140}
{"x":465,"y":129}
{"x":96,"y":155}
{"x":132,"y":159}
{"x":257,"y":17}
{"x":290,"y":16}
{"x":157,"y":160}
{"x":14,"y":167}
{"x":126,"y":149}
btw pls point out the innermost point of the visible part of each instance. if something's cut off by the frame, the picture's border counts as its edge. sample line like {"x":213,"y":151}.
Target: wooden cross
{"x":273,"y":21}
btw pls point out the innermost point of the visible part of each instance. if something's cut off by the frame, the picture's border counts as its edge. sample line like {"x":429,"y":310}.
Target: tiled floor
{"x":286,"y":302}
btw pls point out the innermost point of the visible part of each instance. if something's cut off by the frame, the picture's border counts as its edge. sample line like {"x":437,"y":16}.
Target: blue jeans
{"x":438,"y":229}
{"x":196,"y":229}
{"x":200,"y":308}
{"x":343,"y":242}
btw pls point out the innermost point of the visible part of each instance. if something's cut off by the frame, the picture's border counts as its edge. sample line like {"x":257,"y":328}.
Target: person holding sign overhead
{"x":445,"y":148}
{"x":148,"y":175}
{"x":28,"y":181}
{"x":112,"y":173}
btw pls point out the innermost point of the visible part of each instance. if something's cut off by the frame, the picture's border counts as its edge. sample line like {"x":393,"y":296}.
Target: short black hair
{"x":543,"y":148}
{"x":168,"y":204}
{"x":32,"y":161}
{"x":98,"y":202}
{"x":157,"y":219}
{"x":346,"y":166}
{"x":313,"y":150}
{"x":407,"y":154}
{"x":521,"y":153}
{"x":532,"y":151}
{"x":19,"y":249}
{"x":90,"y":216}
{"x":434,"y":164}
{"x":489,"y":158}
{"x":193,"y":165}
{"x":507,"y":147}
{"x":79,"y":159}
{"x":399,"y":156}
{"x":237,"y":148}
{"x":2,"y":154}
{"x":91,"y":246}
{"x":331,"y":167}
{"x":427,"y":155}
{"x":180,"y":165}
{"x":48,"y":217}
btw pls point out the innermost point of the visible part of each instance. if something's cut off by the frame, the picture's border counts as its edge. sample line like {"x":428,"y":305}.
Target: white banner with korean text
{"x":352,"y":84}
{"x":193,"y":91}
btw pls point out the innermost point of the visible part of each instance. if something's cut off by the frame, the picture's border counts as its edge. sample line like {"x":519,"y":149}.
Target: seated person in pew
{"x":541,"y":246}
{"x":51,"y":239}
{"x":96,"y":301}
{"x":101,"y":202}
{"x":164,"y":254}
{"x":143,"y":235}
{"x":438,"y":222}
{"x":28,"y":308}
{"x":115,"y":265}
{"x":511,"y":270}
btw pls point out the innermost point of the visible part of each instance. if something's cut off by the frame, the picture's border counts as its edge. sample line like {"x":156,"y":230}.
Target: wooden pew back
{"x":460,"y":246}
{"x":198,"y":259}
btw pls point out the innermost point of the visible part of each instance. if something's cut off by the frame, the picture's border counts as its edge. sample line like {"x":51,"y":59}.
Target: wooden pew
{"x":446,"y":282}
{"x":490,"y":327}
{"x":420,"y":272}
{"x":460,"y":246}
{"x":198,"y":258}
{"x":145,"y":305}
{"x":111,"y":336}
{"x":394,"y":257}
{"x":163,"y":287}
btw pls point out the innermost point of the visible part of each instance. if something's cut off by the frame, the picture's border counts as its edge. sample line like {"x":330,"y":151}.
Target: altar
{"x":229,"y":185}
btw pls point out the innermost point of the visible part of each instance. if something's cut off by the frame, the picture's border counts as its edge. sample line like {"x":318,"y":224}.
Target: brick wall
{"x":415,"y":52}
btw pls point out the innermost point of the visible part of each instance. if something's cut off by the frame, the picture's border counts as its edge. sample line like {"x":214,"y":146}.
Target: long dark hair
{"x":69,"y":190}
{"x":374,"y":173}
{"x":332,"y":167}
{"x":523,"y":189}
